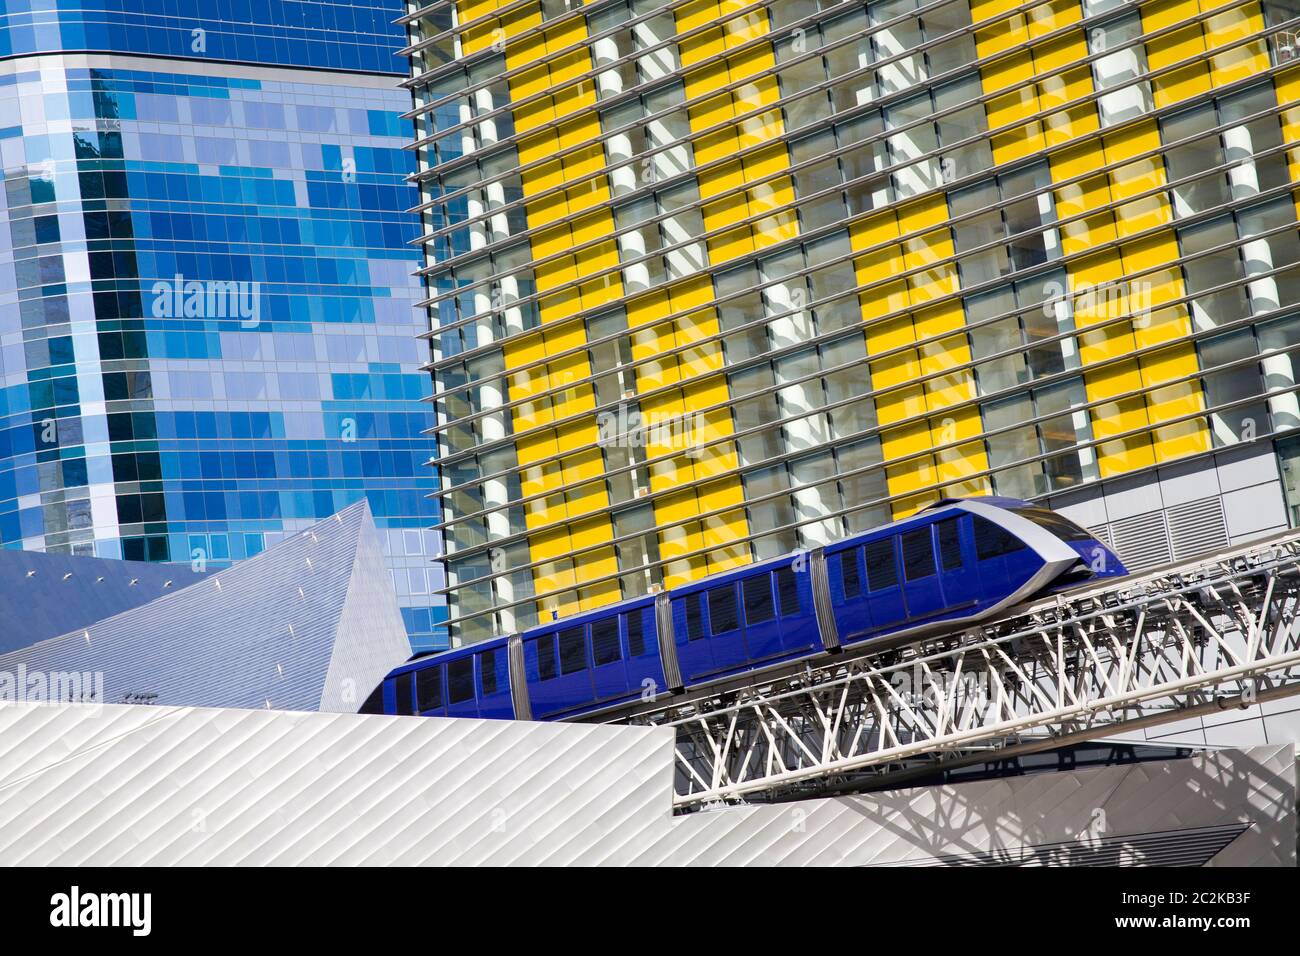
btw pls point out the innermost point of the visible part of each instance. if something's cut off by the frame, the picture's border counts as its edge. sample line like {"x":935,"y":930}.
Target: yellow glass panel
{"x":1142,"y":214}
{"x":1077,"y":161}
{"x":1122,"y":415}
{"x":909,"y":476}
{"x":1060,"y":52}
{"x":749,"y":63}
{"x":873,"y":230}
{"x":1231,"y":25}
{"x":884,"y":299}
{"x":1002,"y":35}
{"x":1239,"y":63}
{"x":1051,"y":16}
{"x":928,"y":212}
{"x":1101,"y":344}
{"x":1154,"y":327}
{"x":1010,"y":71}
{"x":906,"y":507}
{"x":696,"y":13}
{"x":901,"y":404}
{"x":952,"y":464}
{"x":1065,"y":125}
{"x":774,"y":229}
{"x":1023,"y":141}
{"x":741,"y":29}
{"x":1174,"y":47}
{"x":1183,"y":83}
{"x":1124,"y":455}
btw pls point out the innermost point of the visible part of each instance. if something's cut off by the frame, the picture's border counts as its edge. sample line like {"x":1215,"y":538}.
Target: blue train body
{"x":957,"y":563}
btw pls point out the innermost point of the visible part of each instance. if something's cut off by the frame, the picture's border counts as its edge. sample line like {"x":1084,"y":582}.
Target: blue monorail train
{"x":956,"y":563}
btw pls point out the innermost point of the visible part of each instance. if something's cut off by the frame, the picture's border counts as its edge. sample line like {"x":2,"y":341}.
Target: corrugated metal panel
{"x":45,"y":595}
{"x":1197,"y":527}
{"x":193,"y":786}
{"x":1142,"y":541}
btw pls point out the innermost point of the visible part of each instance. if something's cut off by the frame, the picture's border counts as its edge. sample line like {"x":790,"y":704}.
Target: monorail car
{"x":959,"y":562}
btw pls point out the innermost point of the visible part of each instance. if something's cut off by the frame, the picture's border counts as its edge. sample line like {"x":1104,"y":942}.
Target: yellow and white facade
{"x":712,"y":280}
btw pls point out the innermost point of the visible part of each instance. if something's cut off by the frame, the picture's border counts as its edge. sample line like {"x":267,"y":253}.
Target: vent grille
{"x":1159,"y":537}
{"x":1102,"y":533}
{"x":1142,"y":541}
{"x":1192,"y":847}
{"x":1197,"y":527}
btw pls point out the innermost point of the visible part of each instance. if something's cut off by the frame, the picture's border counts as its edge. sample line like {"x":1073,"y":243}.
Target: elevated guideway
{"x":1221,"y":631}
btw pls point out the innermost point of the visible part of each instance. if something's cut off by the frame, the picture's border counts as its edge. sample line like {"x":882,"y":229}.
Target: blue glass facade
{"x":354,"y":35}
{"x":207,"y":332}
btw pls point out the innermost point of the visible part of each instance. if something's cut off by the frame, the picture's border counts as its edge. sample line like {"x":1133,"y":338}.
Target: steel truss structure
{"x":1188,"y":638}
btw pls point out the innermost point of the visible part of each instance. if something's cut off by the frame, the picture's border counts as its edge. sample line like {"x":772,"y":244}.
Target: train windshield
{"x":1063,"y":528}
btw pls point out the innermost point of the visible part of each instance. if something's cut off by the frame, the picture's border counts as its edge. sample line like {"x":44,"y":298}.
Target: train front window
{"x":994,"y":541}
{"x":1062,"y":527}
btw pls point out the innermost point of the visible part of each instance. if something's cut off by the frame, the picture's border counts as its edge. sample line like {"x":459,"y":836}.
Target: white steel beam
{"x":1215,"y":632}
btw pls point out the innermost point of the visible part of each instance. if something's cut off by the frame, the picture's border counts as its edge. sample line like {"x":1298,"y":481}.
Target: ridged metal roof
{"x":310,"y":623}
{"x":45,"y":595}
{"x":192,"y":786}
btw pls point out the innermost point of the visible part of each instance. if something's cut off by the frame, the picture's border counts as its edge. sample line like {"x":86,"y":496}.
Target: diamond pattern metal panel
{"x":45,"y":595}
{"x":263,"y":633}
{"x":142,"y":785}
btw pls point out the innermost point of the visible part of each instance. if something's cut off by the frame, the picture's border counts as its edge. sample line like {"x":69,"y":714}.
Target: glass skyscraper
{"x":713,"y":280}
{"x":207,"y":332}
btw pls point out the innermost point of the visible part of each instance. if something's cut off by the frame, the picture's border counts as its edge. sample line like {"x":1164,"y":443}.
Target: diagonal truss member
{"x":1189,"y":638}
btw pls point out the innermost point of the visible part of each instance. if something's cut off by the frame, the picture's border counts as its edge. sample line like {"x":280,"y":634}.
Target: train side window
{"x":604,"y":641}
{"x":993,"y":541}
{"x":759,"y":606}
{"x":402,"y":691}
{"x":546,"y":657}
{"x":573,"y":650}
{"x":723,"y":614}
{"x":949,"y":545}
{"x":882,"y":569}
{"x":460,"y":680}
{"x":787,"y":591}
{"x":850,"y":579}
{"x":918,"y":554}
{"x":635,"y":623}
{"x":487,"y":670}
{"x":694,"y":616}
{"x":428,"y":688}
